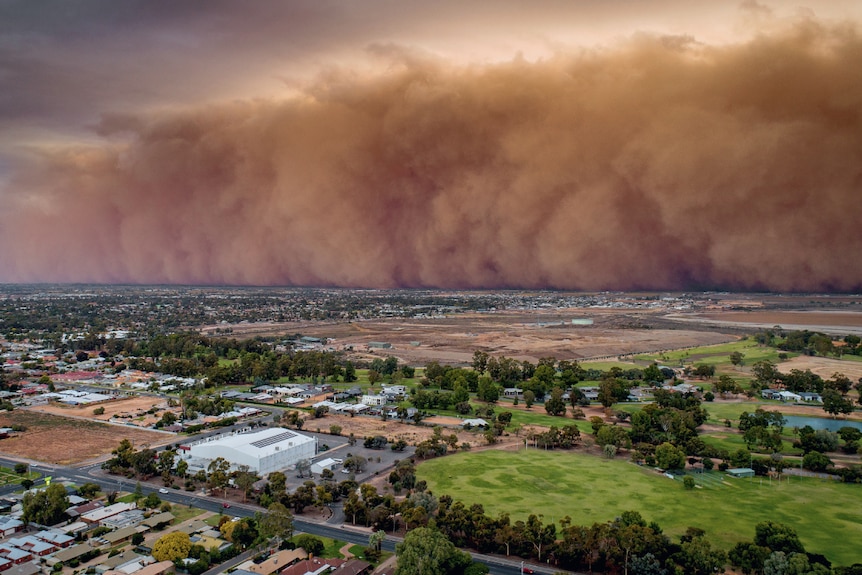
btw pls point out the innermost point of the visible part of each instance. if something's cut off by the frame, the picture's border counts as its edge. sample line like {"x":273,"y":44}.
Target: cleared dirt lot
{"x":363,"y":427}
{"x":66,"y":441}
{"x":133,"y":408}
{"x":830,"y":318}
{"x":520,"y":334}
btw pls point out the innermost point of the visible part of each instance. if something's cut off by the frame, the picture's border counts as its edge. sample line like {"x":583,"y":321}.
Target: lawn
{"x":607,"y":365}
{"x":538,"y":416}
{"x":590,"y":489}
{"x":717,"y":354}
{"x":8,"y":476}
{"x":184,"y":513}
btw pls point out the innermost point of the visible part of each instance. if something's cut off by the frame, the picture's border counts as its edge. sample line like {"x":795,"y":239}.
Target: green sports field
{"x":827,"y":514}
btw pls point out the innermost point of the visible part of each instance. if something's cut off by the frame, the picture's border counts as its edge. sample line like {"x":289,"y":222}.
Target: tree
{"x":21,"y":468}
{"x":217,"y":473}
{"x":538,"y":534}
{"x":426,"y":551}
{"x":529,"y":398}
{"x":376,"y":539}
{"x":737,"y":357}
{"x":165,"y":464}
{"x":749,"y":557}
{"x":47,"y":506}
{"x":244,"y":479}
{"x":152,"y":501}
{"x":488,"y":390}
{"x":697,"y":557}
{"x":312,"y":545}
{"x":777,"y":537}
{"x":815,"y":461}
{"x":555,"y":405}
{"x":834,"y":403}
{"x":480,"y":361}
{"x":303,"y":466}
{"x":765,"y":372}
{"x":668,"y":456}
{"x":89,"y":490}
{"x":182,"y":468}
{"x":173,"y":546}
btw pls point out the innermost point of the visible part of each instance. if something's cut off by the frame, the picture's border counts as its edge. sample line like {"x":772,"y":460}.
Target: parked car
{"x":163,"y":490}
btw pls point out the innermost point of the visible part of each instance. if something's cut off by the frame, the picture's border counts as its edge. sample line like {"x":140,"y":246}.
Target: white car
{"x":163,"y":490}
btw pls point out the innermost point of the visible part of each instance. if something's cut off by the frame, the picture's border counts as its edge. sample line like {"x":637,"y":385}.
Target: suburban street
{"x":357,"y":536}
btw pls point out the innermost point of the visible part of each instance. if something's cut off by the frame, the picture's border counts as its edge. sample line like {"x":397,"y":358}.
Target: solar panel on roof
{"x":260,"y":443}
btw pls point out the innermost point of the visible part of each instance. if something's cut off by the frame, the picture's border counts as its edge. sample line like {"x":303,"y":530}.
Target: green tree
{"x":426,"y":551}
{"x":555,"y":405}
{"x":749,"y":557}
{"x":218,"y":473}
{"x":312,"y":545}
{"x":836,"y":404}
{"x":815,"y":461}
{"x":538,"y":534}
{"x":697,"y":557}
{"x":89,"y":490}
{"x":277,"y":484}
{"x":737,"y":357}
{"x":668,"y":456}
{"x":244,"y":479}
{"x":182,"y":468}
{"x":46,"y":506}
{"x":777,"y":537}
{"x":173,"y":546}
{"x":529,"y":398}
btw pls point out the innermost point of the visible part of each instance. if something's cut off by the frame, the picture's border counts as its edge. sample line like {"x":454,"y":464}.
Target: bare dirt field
{"x":520,"y":334}
{"x":66,"y":441}
{"x":831,"y":318}
{"x":393,"y":429}
{"x":823,"y":366}
{"x":133,"y":408}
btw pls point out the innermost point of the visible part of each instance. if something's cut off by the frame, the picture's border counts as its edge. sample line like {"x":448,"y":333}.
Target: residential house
{"x":810,"y":397}
{"x":277,"y":562}
{"x":374,"y":400}
{"x":10,"y":525}
{"x":353,"y":567}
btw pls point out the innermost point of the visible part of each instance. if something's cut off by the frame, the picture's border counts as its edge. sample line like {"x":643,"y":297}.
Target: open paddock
{"x":131,"y":407}
{"x":66,"y":441}
{"x":592,"y":489}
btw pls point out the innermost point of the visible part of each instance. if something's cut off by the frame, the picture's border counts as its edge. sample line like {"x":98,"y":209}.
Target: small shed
{"x":327,"y":463}
{"x":741,"y":472}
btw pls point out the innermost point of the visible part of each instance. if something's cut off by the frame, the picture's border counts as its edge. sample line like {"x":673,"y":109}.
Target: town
{"x":256,"y":454}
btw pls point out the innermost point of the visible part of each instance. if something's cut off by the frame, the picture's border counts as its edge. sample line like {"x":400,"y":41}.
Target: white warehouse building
{"x":264,"y":451}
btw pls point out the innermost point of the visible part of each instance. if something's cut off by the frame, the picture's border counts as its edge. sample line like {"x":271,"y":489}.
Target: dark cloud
{"x":659,"y":163}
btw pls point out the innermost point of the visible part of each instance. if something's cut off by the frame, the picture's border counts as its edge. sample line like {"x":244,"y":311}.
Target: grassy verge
{"x":590,"y":489}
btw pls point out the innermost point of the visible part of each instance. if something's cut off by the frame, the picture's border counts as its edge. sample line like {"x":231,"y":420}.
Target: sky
{"x":560,"y":144}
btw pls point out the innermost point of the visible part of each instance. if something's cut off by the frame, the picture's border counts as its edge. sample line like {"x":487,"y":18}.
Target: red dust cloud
{"x":657,"y":163}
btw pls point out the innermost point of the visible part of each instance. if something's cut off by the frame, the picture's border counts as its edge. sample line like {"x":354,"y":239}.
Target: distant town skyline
{"x":584,"y":145}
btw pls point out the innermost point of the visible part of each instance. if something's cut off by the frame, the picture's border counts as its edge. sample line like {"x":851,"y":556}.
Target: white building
{"x":328,"y":463}
{"x":376,"y":400}
{"x":263,"y":451}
